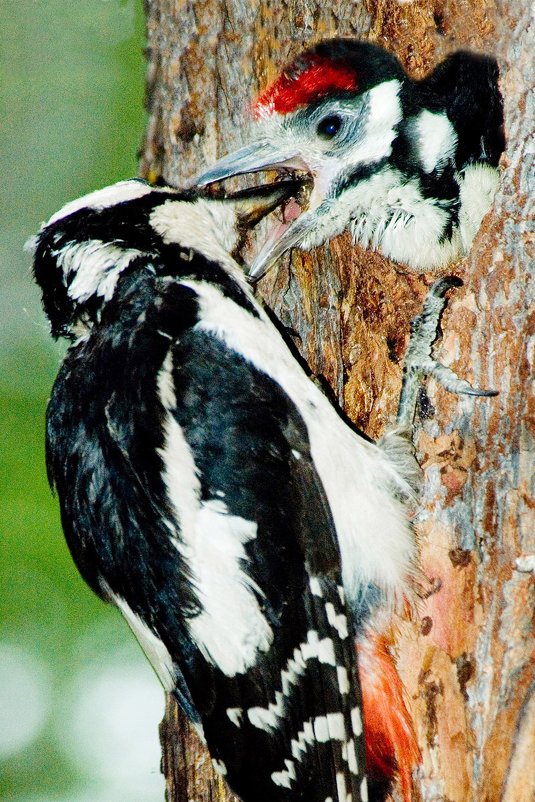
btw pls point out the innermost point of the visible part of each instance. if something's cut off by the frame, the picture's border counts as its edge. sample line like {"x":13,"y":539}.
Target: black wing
{"x":284,"y":723}
{"x":252,"y":452}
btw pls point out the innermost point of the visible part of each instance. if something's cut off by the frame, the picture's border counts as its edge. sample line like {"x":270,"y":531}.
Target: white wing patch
{"x":230,"y":630}
{"x":180,"y":474}
{"x":341,"y":788}
{"x":314,"y":648}
{"x":97,"y":266}
{"x":356,"y":721}
{"x":305,"y":738}
{"x":339,"y":622}
{"x":352,"y":761}
{"x":284,"y":778}
{"x":329,"y":728}
{"x":266,"y":718}
{"x":320,"y":729}
{"x":322,"y":650}
{"x":343,"y":679}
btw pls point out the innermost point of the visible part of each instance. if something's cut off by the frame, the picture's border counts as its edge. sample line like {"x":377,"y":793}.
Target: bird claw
{"x":418,"y":359}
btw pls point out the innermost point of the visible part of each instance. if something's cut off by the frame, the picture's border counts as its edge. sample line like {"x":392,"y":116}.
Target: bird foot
{"x":418,"y":359}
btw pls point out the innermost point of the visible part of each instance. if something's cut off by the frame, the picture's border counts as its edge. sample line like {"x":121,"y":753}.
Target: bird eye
{"x":329,"y":126}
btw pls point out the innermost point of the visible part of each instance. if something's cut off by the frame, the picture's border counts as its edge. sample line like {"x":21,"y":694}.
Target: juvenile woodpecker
{"x":212,"y":493}
{"x":409,"y":167}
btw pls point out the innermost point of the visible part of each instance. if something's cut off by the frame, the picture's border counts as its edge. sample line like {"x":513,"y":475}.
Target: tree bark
{"x":468,"y":661}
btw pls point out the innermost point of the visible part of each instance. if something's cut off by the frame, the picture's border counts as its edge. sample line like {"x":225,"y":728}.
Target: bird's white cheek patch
{"x":207,"y":227}
{"x":384,"y":113}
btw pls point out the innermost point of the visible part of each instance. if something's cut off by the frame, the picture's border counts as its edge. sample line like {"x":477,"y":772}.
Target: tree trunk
{"x":468,"y":662}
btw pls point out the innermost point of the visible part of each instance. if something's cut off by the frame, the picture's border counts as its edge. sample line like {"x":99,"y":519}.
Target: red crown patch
{"x":295,"y":88}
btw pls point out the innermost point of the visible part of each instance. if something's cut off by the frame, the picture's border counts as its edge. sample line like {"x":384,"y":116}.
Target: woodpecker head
{"x":332,"y":113}
{"x":379,"y":148}
{"x":87,"y":250}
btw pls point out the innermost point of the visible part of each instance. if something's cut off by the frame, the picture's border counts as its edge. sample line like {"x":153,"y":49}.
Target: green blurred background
{"x":78,"y":705}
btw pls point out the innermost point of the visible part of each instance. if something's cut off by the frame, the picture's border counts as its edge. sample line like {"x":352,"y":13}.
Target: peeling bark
{"x":468,"y":662}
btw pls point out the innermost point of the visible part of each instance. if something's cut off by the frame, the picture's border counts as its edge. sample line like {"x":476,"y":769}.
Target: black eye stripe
{"x":329,"y":126}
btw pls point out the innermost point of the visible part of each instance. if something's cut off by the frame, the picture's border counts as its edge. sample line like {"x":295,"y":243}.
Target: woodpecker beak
{"x":252,"y":204}
{"x":251,"y":159}
{"x":285,"y":236}
{"x":262,"y":155}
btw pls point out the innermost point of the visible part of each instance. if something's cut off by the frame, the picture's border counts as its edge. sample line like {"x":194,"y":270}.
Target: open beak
{"x":285,"y":236}
{"x":251,"y":159}
{"x":262,"y":155}
{"x":252,"y":204}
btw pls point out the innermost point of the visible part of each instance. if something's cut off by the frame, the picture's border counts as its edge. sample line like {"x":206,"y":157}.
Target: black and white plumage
{"x":409,"y":167}
{"x":208,"y":488}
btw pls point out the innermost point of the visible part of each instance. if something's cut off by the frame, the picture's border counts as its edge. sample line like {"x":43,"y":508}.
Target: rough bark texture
{"x":468,"y":662}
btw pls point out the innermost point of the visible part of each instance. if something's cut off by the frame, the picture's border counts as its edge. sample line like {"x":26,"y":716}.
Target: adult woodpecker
{"x":409,"y":167}
{"x":212,"y":493}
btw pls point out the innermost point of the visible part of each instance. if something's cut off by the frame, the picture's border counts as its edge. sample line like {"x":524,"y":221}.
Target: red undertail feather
{"x":391,"y":747}
{"x":308,"y":79}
